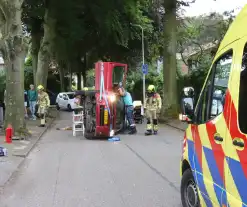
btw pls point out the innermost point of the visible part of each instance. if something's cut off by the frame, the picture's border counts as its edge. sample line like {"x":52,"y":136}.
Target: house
{"x":188,"y":59}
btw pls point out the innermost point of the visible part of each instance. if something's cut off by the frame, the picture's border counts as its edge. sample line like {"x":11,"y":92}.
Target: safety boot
{"x":155,"y":128}
{"x":132,"y":130}
{"x":42,"y":120}
{"x":148,"y":132}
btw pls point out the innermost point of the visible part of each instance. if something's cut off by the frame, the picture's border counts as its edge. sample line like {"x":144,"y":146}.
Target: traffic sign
{"x":145,"y":69}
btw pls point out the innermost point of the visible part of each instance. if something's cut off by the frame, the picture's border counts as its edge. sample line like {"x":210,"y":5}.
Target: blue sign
{"x":145,"y":69}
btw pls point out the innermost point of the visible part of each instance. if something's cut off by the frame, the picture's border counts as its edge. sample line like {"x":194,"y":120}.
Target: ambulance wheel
{"x":188,"y":190}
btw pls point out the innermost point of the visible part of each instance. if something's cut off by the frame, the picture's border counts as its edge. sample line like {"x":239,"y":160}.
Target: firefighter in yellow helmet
{"x":153,"y":105}
{"x":44,"y":103}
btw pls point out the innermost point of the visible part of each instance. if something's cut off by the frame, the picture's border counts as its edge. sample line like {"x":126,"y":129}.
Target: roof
{"x":236,"y":30}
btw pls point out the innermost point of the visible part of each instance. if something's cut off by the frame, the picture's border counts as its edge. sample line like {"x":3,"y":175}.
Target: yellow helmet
{"x":40,"y":87}
{"x":151,"y":88}
{"x":85,"y":88}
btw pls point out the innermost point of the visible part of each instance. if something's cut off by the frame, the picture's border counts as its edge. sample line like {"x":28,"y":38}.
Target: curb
{"x":24,"y":157}
{"x":37,"y":140}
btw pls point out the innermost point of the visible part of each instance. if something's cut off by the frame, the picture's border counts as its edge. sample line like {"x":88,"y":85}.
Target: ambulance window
{"x":242,"y":109}
{"x":213,"y":97}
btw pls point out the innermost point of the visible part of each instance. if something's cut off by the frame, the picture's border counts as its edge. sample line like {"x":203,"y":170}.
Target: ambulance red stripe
{"x":198,"y":143}
{"x":217,"y":149}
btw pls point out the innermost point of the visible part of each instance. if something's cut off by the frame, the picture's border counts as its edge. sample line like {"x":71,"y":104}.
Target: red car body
{"x":105,"y":117}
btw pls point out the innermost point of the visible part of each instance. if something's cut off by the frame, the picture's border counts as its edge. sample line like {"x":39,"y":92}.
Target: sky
{"x":206,"y":6}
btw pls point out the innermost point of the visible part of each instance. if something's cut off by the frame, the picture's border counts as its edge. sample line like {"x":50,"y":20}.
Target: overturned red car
{"x":103,"y":108}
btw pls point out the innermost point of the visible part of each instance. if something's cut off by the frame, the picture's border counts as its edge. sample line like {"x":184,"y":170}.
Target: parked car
{"x":65,"y":100}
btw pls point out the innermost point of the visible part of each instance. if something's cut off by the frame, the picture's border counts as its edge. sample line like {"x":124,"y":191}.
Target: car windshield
{"x":70,"y":95}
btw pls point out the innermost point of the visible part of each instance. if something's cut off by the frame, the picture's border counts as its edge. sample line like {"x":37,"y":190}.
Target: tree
{"x":45,"y":54}
{"x":92,"y":39}
{"x":33,"y":19}
{"x":196,"y":32}
{"x":14,"y":49}
{"x":73,"y":34}
{"x":166,"y":21}
{"x":170,"y":106}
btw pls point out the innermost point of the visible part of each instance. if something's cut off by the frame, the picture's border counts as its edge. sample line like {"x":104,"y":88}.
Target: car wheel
{"x":57,"y":106}
{"x":69,"y":107}
{"x":189,"y":192}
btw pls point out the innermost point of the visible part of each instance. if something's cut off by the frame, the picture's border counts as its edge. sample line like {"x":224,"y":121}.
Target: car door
{"x":65,"y":100}
{"x":236,"y":177}
{"x":209,"y":131}
{"x":59,"y":99}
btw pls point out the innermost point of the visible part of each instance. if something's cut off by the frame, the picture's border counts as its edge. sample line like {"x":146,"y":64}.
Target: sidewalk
{"x":175,"y":123}
{"x":19,"y":149}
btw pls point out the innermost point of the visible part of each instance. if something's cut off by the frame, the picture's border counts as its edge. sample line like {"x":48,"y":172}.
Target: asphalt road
{"x":67,"y":171}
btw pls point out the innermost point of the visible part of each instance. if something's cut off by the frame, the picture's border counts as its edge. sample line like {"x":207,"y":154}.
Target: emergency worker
{"x":129,"y":108}
{"x":44,"y":103}
{"x":152,"y":105}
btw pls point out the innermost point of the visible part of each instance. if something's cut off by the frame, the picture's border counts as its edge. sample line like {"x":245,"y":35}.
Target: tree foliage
{"x":195,"y":32}
{"x":75,"y":34}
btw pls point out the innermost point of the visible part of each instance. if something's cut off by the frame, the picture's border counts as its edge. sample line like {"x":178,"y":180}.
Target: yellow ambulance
{"x":214,"y":158}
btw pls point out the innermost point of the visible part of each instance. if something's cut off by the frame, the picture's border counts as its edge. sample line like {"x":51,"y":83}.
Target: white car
{"x":65,"y":100}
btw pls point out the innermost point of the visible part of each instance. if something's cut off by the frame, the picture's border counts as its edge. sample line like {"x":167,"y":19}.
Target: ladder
{"x":78,"y":121}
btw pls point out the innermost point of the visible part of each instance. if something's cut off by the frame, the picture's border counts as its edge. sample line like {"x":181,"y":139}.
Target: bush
{"x":28,"y":77}
{"x":135,"y":82}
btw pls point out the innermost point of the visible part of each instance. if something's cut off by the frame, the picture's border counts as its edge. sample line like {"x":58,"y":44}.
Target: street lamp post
{"x":143,"y":62}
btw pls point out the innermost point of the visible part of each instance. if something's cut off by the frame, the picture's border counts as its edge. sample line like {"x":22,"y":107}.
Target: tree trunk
{"x":61,"y":76}
{"x":78,"y":81}
{"x":35,"y":38}
{"x":34,"y":66}
{"x":14,"y":60}
{"x":70,"y":77}
{"x":14,"y":52}
{"x":170,"y":102}
{"x":44,"y":51}
{"x":84,"y":76}
{"x":84,"y":71}
{"x":42,"y":67}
